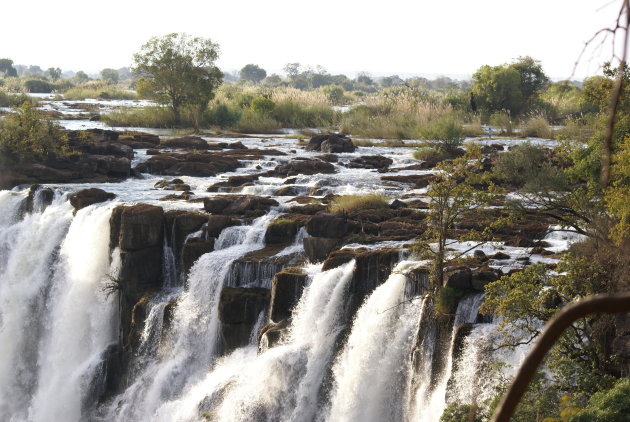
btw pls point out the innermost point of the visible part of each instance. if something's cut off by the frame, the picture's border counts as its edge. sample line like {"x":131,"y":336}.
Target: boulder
{"x":191,"y":164}
{"x":370,"y":162}
{"x":418,"y":181}
{"x":233,"y":182}
{"x":481,"y":277}
{"x":500,"y":256}
{"x":87,"y":197}
{"x":458,"y":278}
{"x":216,"y":224}
{"x":337,"y":144}
{"x":286,"y":290}
{"x":189,"y":142}
{"x":192,"y":251}
{"x":246,"y":205}
{"x":306,"y":167}
{"x":281,"y":231}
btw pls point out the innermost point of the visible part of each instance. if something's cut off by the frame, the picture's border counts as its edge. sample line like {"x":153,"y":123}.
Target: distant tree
{"x":178,"y":70}
{"x":334,"y":93}
{"x":54,"y":73}
{"x":252,"y":73}
{"x":110,"y":75}
{"x":393,"y":80}
{"x":7,"y":69}
{"x":292,"y":69}
{"x":34,"y":70}
{"x":364,"y":78}
{"x":81,"y":76}
{"x":498,"y":88}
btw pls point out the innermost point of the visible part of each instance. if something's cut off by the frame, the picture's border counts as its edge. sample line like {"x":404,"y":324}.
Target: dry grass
{"x":349,"y":203}
{"x":537,"y":126}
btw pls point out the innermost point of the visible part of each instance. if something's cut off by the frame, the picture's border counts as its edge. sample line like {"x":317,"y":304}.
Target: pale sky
{"x":386,"y":37}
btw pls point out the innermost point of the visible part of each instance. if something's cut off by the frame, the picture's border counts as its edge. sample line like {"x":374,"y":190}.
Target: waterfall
{"x":190,"y":347}
{"x":55,"y":321}
{"x":370,"y":373}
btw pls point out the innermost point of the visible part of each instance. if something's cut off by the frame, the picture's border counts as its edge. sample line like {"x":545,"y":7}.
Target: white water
{"x":191,"y":346}
{"x":370,"y":373}
{"x":55,"y":322}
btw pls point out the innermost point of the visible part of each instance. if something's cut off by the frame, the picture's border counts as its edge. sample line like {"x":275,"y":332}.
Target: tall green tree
{"x":54,"y":73}
{"x":110,"y":75}
{"x":178,"y":70}
{"x":252,"y":73}
{"x":498,"y":88}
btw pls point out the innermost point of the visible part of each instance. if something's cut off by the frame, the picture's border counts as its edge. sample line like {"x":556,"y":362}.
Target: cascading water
{"x":190,"y":347}
{"x":370,"y":373}
{"x":55,"y":320}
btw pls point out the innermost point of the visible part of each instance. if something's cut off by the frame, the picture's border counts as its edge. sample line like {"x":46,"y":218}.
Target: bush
{"x":28,"y":132}
{"x":99,"y":91}
{"x":38,"y":86}
{"x":446,"y":130}
{"x":156,"y":117}
{"x":262,"y":105}
{"x":13,"y":100}
{"x":222,"y":115}
{"x":502,"y":120}
{"x":456,"y":412}
{"x":292,"y":114}
{"x":607,"y":406}
{"x":526,"y":166}
{"x":334,"y":93}
{"x":251,"y":122}
{"x":349,"y":203}
{"x":446,"y":300}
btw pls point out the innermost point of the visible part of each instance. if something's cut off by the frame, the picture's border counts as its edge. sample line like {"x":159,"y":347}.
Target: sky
{"x":404,"y":37}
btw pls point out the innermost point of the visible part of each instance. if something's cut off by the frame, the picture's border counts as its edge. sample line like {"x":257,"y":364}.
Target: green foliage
{"x":38,"y":85}
{"x":502,"y":119}
{"x":292,"y":114}
{"x":28,"y":132}
{"x":445,"y":129}
{"x":222,"y":115}
{"x":7,"y":69}
{"x":498,"y":88}
{"x":262,"y":105}
{"x":537,"y":126}
{"x":251,"y":122}
{"x":456,"y":412}
{"x":155,"y":117}
{"x":334,"y":93}
{"x":98,"y":90}
{"x":110,"y":75}
{"x":526,"y":166}
{"x":349,"y":203}
{"x":54,"y":73}
{"x":607,"y":406}
{"x":252,"y":73}
{"x":446,"y":300}
{"x":12,"y":100}
{"x":178,"y":70}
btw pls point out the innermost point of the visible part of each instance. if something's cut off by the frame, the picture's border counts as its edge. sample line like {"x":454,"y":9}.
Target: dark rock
{"x":140,"y":271}
{"x":257,"y":268}
{"x":418,"y":181}
{"x":317,"y":248}
{"x":337,"y":144}
{"x":216,"y":224}
{"x":482,"y":277}
{"x":215,"y":205}
{"x":339,"y":257}
{"x":247,"y":205}
{"x":370,"y":162}
{"x":287,"y":191}
{"x":500,"y":256}
{"x":239,"y":309}
{"x":236,"y":145}
{"x":458,"y":278}
{"x":38,"y":199}
{"x":192,"y":251}
{"x":138,"y":226}
{"x":306,"y":167}
{"x":309,"y":209}
{"x":327,"y":225}
{"x":191,"y":164}
{"x":153,"y":151}
{"x":286,"y":290}
{"x":331,"y":158}
{"x":233,"y":182}
{"x":191,"y":142}
{"x":397,"y":203}
{"x":480,"y":255}
{"x":87,"y":197}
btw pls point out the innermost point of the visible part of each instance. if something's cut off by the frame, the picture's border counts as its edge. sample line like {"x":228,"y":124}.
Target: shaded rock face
{"x":281,"y":231}
{"x":38,"y":199}
{"x":297,"y":167}
{"x":458,"y":278}
{"x":327,"y":225}
{"x":138,"y":231}
{"x":140,"y":141}
{"x":318,"y":248}
{"x":247,"y":205}
{"x":191,"y":164}
{"x":87,"y":197}
{"x":418,"y":181}
{"x":257,"y":268}
{"x":191,"y":142}
{"x":239,"y":311}
{"x":192,"y":251}
{"x":234,"y":183}
{"x":331,"y":144}
{"x":286,"y":289}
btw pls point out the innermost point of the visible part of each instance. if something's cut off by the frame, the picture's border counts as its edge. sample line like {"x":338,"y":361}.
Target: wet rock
{"x":140,"y":271}
{"x":397,"y":203}
{"x":458,"y":278}
{"x":38,"y":198}
{"x":370,"y":162}
{"x":331,"y":158}
{"x":216,"y":224}
{"x":272,"y":333}
{"x":480,"y":255}
{"x":500,"y":256}
{"x":317,"y":248}
{"x":286,"y":290}
{"x":87,"y":197}
{"x":246,"y":205}
{"x":179,"y":225}
{"x":257,"y":268}
{"x":137,"y":227}
{"x":281,"y":231}
{"x":192,"y":164}
{"x":373,"y":267}
{"x":481,"y":277}
{"x":418,"y":181}
{"x":233,"y":182}
{"x":337,"y":144}
{"x":288,"y":191}
{"x":338,"y":258}
{"x":239,"y":310}
{"x":236,"y":145}
{"x":190,"y":142}
{"x":305,"y":167}
{"x":308,"y":209}
{"x":192,"y":251}
{"x":327,"y":225}
{"x":153,"y":151}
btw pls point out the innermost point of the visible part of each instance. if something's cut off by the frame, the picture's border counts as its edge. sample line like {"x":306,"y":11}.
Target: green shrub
{"x":446,"y":300}
{"x":155,"y":117}
{"x":13,"y":100}
{"x":291,"y":114}
{"x":349,"y":203}
{"x":607,"y":406}
{"x":262,"y":105}
{"x":447,"y":130}
{"x":456,"y":412}
{"x":99,"y":91}
{"x":334,"y":93}
{"x":525,"y":166}
{"x":222,"y":115}
{"x":28,"y":132}
{"x":251,"y":122}
{"x":38,"y":86}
